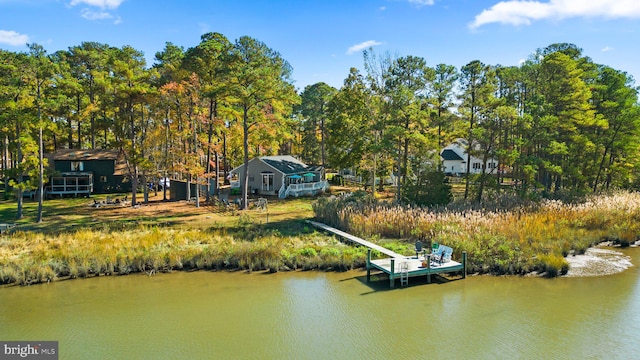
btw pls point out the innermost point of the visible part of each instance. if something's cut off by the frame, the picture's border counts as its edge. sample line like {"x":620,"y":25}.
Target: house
{"x":454,"y":160}
{"x":83,"y":172}
{"x":282,"y":176}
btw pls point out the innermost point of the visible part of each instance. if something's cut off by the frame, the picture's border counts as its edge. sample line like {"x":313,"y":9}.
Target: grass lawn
{"x":77,"y":239}
{"x":70,"y":214}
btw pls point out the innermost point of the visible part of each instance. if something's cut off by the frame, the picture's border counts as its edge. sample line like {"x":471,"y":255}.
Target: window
{"x":477,"y":166}
{"x":77,"y":166}
{"x":492,"y":165}
{"x":103,"y":179}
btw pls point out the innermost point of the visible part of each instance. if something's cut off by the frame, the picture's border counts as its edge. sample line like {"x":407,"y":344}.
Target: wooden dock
{"x":411,"y":266}
{"x":355,"y":239}
{"x":400,"y":266}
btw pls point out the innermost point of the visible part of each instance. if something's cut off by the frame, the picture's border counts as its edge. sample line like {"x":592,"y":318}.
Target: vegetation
{"x":508,"y":236}
{"x":30,"y":258}
{"x":559,"y":122}
{"x":560,"y":126}
{"x":82,"y":241}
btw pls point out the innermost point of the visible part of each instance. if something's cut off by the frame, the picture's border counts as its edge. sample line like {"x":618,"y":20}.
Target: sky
{"x":323,"y":39}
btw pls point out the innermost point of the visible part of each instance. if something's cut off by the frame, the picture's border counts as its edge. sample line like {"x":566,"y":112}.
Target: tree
{"x":209,"y":60}
{"x":381,"y":146}
{"x":615,"y":100}
{"x":349,"y":124}
{"x":88,"y":65}
{"x":570,"y":117}
{"x":429,"y":188}
{"x":442,"y":98}
{"x":407,"y":85}
{"x":40,"y":72}
{"x":132,"y":88}
{"x":171,"y":74}
{"x":260,"y":86}
{"x":15,"y":103}
{"x":313,"y":112}
{"x":475,"y":90}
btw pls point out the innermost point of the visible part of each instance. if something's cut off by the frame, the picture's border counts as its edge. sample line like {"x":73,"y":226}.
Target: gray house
{"x":281,"y":175}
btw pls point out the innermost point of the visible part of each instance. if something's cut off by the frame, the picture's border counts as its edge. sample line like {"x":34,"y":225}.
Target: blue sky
{"x":322,"y":39}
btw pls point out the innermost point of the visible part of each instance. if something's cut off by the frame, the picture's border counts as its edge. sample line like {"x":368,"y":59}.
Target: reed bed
{"x":524,"y":238}
{"x":27,"y":258}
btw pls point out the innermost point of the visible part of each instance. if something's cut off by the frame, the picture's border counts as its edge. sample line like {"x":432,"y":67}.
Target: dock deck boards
{"x":415,"y":266}
{"x":356,"y":239}
{"x":393,"y":266}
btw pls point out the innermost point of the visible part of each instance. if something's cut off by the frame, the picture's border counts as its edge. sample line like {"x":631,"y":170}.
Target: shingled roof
{"x":285,"y":163}
{"x":85,"y":155}
{"x":448,"y":154}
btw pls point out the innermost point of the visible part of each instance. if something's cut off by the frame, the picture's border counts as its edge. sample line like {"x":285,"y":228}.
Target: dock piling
{"x":428,"y":259}
{"x":464,"y":264}
{"x":392,"y":279}
{"x":368,"y":265}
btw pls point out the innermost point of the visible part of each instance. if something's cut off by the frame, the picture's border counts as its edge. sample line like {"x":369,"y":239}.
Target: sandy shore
{"x":598,"y":261}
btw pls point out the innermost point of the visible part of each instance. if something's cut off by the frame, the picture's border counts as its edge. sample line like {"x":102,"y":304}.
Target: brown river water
{"x":316,"y":315}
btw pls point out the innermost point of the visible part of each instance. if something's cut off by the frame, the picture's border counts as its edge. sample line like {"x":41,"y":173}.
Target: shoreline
{"x":600,"y":260}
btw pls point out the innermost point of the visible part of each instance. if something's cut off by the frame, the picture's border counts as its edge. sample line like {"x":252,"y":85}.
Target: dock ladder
{"x":404,"y":274}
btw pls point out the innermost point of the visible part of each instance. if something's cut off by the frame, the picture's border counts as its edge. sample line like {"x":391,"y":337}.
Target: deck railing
{"x":306,"y":188}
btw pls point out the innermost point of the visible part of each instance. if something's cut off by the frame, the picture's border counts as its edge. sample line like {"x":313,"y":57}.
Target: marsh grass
{"x":27,"y":258}
{"x":508,"y":237}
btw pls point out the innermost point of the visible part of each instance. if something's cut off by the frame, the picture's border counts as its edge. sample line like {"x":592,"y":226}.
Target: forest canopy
{"x":557,"y":123}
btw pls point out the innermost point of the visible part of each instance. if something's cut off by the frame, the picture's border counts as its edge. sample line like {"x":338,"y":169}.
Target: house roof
{"x":448,"y":154}
{"x":85,"y":155}
{"x":286,"y":164}
{"x":120,"y":167}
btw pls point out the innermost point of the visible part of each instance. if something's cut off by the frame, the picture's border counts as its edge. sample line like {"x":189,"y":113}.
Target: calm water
{"x":313,"y":315}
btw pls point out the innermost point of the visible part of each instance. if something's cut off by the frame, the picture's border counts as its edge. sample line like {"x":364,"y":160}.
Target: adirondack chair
{"x":436,"y":255}
{"x":418,"y":248}
{"x":445,"y":255}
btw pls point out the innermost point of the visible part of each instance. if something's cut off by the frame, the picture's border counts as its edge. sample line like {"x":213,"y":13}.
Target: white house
{"x":281,"y":175}
{"x":454,"y":160}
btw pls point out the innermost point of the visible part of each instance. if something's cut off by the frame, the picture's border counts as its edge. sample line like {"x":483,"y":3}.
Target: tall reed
{"x":27,"y":258}
{"x":516,"y":239}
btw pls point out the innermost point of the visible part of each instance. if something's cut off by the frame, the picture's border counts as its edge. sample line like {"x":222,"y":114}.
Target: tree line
{"x":217,"y":100}
{"x":558,"y":122}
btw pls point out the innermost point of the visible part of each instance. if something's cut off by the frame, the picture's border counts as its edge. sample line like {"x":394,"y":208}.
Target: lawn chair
{"x":445,"y":255}
{"x":436,"y":254}
{"x":418,"y":248}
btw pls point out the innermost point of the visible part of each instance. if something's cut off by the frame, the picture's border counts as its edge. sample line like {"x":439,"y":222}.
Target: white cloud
{"x":421,"y":2}
{"x":13,"y":38}
{"x":382,"y":8}
{"x":95,"y":15}
{"x":518,"y":12}
{"x":103,"y":4}
{"x":362,"y":46}
{"x":521,"y":61}
{"x":606,"y":49}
